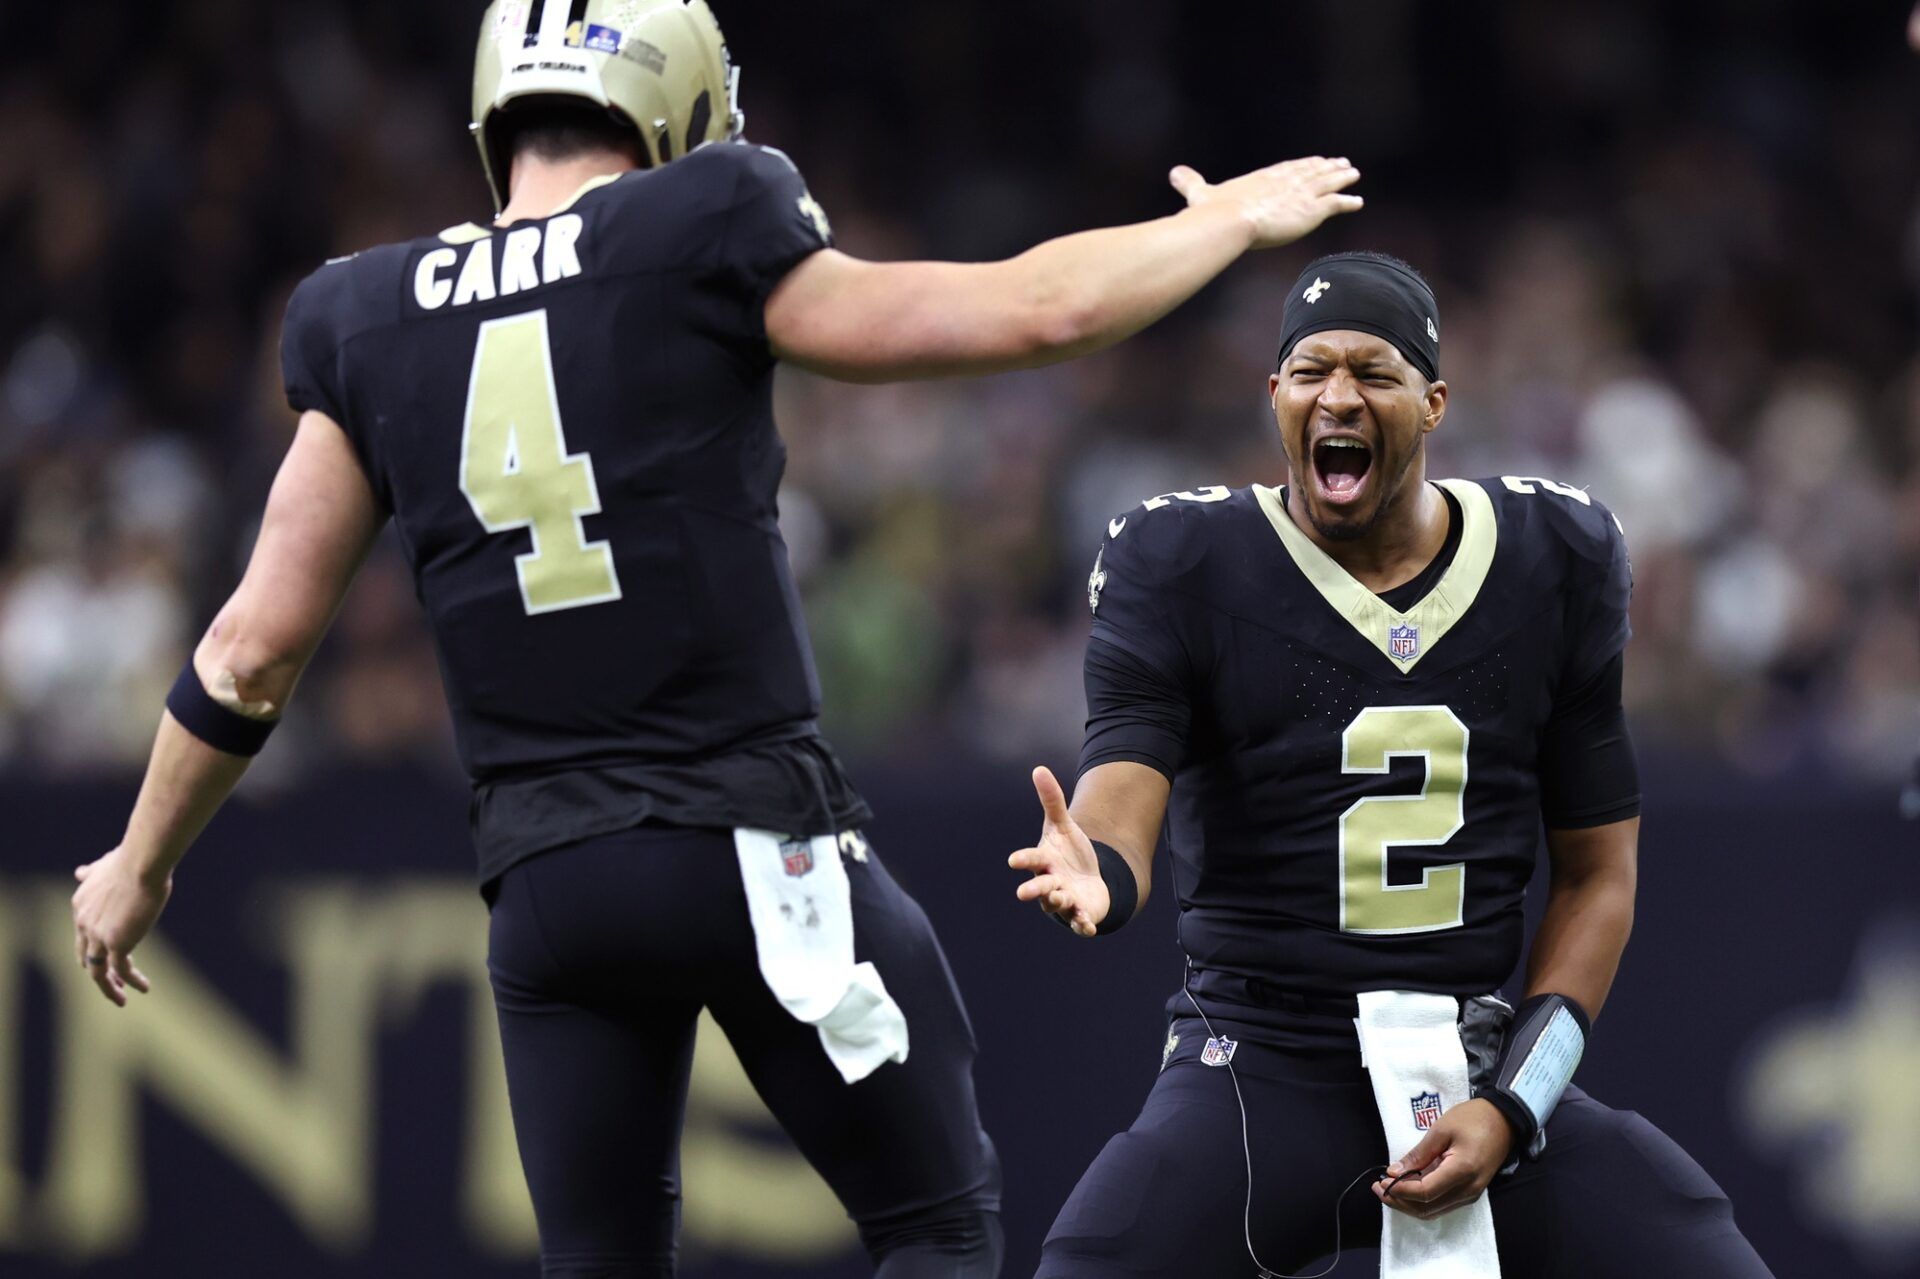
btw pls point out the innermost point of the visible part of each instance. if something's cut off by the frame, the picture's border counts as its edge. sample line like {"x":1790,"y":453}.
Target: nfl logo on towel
{"x":1403,"y":642}
{"x":1218,"y":1052}
{"x":797,"y":855}
{"x":1426,"y":1110}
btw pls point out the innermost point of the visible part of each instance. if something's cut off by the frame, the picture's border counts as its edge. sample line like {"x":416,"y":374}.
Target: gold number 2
{"x":517,"y":474}
{"x":1376,"y":823}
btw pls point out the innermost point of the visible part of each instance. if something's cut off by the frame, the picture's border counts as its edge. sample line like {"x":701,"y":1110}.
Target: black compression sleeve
{"x":1588,"y":775}
{"x":1134,"y":712}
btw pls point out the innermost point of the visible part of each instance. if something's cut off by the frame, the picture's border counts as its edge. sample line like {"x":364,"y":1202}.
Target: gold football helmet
{"x":658,"y":65}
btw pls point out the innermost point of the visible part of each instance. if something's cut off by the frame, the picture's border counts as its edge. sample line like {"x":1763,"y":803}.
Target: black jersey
{"x":1357,"y":794}
{"x":570,"y":419}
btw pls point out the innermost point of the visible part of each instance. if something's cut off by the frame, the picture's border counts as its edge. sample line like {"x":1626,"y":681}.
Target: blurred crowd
{"x":1677,"y":255}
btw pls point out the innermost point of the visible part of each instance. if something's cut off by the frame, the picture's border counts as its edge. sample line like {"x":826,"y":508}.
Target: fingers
{"x":101,"y":970}
{"x":1432,"y":1178}
{"x":1309,"y":165}
{"x":122,"y":965}
{"x":81,"y":872}
{"x":1037,"y":887}
{"x":1327,"y":181}
{"x":1053,"y":800}
{"x":1029,"y":859}
{"x":1429,"y":1148}
{"x":1427,"y":1196}
{"x":1187,"y":182}
{"x":1346,"y":204}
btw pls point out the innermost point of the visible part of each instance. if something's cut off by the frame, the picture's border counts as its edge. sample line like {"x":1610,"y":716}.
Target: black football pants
{"x":602,"y":955}
{"x":1611,"y":1198}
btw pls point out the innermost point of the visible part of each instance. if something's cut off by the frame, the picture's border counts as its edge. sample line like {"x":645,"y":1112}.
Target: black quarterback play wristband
{"x":1544,"y":1044}
{"x":216,"y":725}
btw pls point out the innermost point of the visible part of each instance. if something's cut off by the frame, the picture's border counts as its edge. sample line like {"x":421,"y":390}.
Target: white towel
{"x":799,"y":901}
{"x":1410,"y":1045}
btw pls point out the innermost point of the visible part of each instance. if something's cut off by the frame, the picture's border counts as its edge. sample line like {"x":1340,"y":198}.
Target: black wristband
{"x":1123,"y":891}
{"x":216,"y":725}
{"x":1544,"y":1043}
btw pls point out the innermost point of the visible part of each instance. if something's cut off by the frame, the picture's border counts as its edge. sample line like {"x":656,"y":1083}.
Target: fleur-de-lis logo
{"x":1314,"y":290}
{"x":1096,"y":582}
{"x":811,"y":210}
{"x":1833,"y":1087}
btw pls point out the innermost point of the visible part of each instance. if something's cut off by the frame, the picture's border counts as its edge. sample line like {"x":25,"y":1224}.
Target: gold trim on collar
{"x":591,"y":184}
{"x":468,"y":232}
{"x":1372,"y":616}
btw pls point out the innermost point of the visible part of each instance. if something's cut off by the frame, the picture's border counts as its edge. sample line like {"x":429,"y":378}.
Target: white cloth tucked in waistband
{"x":800,"y":903}
{"x":1410,"y":1045}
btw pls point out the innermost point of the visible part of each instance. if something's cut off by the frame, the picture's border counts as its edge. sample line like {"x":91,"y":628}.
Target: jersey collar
{"x":468,"y":232}
{"x":1402,"y":638}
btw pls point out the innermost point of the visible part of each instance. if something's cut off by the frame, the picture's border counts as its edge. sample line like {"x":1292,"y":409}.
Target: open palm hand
{"x":1066,"y":872}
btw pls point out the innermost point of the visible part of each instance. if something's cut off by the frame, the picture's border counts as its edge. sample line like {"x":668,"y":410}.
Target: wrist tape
{"x":218,"y":726}
{"x":1544,"y":1044}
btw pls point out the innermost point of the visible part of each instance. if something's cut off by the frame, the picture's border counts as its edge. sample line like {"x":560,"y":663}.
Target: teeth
{"x":1342,"y":444}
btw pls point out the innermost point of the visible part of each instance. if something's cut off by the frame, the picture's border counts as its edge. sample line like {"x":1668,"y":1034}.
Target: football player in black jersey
{"x":1351,"y":705}
{"x":567,"y":416}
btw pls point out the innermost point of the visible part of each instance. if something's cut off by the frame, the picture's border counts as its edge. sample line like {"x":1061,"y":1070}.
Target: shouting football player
{"x":567,"y":414}
{"x":1352,"y":703}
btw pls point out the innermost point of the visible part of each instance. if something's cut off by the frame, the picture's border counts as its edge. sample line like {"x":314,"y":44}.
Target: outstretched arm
{"x":321,"y":517}
{"x":888,"y":321}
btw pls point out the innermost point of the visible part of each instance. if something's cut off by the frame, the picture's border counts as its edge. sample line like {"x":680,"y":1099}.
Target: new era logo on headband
{"x":1315,"y":289}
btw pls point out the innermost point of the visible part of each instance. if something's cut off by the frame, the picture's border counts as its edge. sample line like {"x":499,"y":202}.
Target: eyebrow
{"x":1365,"y":363}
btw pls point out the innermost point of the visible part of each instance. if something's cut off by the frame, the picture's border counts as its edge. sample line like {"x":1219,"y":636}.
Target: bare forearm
{"x":1582,"y":936}
{"x":1093,"y":289}
{"x":187,"y":781}
{"x":1122,"y":805}
{"x":880,"y":322}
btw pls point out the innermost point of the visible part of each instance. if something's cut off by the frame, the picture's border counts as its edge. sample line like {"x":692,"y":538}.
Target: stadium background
{"x":1678,"y":255}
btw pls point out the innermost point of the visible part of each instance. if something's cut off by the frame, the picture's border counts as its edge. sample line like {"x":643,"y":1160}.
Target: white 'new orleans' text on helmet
{"x":660,"y":66}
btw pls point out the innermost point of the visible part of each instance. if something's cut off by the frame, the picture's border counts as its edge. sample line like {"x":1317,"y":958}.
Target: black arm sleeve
{"x":1134,"y":712}
{"x":1588,"y":775}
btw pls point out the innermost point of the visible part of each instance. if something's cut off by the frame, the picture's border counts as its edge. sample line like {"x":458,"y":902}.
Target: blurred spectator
{"x":1682,"y":271}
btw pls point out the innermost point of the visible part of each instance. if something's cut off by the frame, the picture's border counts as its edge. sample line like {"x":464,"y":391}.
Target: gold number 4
{"x":1376,"y":823}
{"x":517,"y":474}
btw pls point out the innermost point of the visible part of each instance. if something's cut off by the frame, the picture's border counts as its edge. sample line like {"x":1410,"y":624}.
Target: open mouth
{"x":1341,"y":464}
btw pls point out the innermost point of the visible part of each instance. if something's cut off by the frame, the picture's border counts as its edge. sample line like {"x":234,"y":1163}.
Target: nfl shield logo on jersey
{"x":1219,"y":1052}
{"x":797,"y":856}
{"x":1403,"y":642}
{"x":1426,"y":1110}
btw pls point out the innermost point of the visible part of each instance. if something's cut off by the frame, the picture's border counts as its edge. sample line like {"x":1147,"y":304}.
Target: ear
{"x":1435,"y":406}
{"x":1273,"y":387}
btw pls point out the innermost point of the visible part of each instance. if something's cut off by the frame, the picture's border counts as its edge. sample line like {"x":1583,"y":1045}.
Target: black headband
{"x":1372,"y":294}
